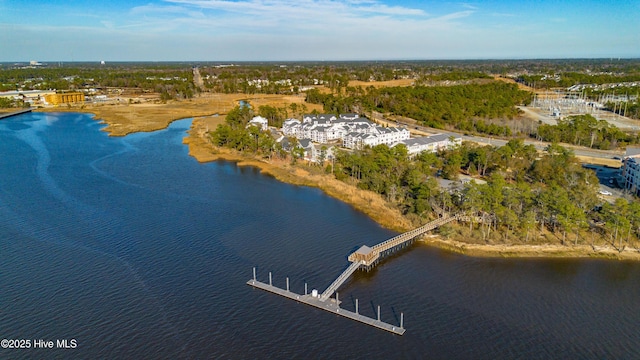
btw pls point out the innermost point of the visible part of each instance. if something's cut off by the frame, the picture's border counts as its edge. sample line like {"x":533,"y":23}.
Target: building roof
{"x":349,"y":116}
{"x":259,"y":119}
{"x":364,"y":250}
{"x":326,"y":116}
{"x":305,"y":143}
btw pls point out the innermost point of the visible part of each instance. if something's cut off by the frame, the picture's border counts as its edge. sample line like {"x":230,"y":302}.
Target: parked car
{"x":605,"y":192}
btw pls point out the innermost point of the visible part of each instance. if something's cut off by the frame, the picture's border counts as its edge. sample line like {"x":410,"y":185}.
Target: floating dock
{"x":15,"y":113}
{"x":333,"y":306}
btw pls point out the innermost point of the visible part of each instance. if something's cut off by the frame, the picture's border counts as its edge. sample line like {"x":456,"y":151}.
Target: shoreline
{"x":546,"y":251}
{"x":368,"y":203}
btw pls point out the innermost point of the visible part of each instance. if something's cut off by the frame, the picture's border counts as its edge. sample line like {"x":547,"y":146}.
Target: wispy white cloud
{"x":456,"y":15}
{"x":469,"y":6}
{"x":291,"y":15}
{"x":312,"y":8}
{"x":152,"y":9}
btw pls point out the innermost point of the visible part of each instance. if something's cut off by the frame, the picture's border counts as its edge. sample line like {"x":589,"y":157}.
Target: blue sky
{"x":257,"y":30}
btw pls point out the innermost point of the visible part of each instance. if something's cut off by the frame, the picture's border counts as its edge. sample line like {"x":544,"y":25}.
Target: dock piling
{"x":357,"y":306}
{"x":378,"y":312}
{"x":287,"y":283}
{"x":401,"y":320}
{"x":305,"y":288}
{"x":254,"y":273}
{"x":270,"y":279}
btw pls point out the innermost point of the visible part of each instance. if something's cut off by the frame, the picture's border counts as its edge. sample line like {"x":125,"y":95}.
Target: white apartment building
{"x":431,"y":143}
{"x":631,"y":170}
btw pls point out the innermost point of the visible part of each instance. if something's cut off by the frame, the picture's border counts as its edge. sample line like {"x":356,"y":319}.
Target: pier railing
{"x":397,"y":240}
{"x":340,"y":280}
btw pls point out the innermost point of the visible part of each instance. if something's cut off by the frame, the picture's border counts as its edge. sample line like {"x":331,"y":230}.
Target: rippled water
{"x":135,"y":250}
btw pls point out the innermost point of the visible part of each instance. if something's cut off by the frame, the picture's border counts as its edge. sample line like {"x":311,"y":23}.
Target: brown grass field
{"x":125,"y":118}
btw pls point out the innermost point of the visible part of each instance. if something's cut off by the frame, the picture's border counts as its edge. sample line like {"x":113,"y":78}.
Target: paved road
{"x":540,"y":145}
{"x":197,"y":79}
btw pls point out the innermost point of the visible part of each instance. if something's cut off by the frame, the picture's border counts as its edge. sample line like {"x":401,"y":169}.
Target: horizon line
{"x":611,"y":58}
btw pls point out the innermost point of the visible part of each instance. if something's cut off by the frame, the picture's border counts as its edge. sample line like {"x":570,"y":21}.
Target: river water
{"x":134,"y":250}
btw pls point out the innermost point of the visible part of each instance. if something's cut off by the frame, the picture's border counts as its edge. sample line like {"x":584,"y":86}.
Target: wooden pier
{"x":15,"y":113}
{"x":370,"y":256}
{"x":365,"y":257}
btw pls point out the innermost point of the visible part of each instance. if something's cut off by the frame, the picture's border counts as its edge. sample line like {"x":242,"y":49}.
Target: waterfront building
{"x":631,"y":170}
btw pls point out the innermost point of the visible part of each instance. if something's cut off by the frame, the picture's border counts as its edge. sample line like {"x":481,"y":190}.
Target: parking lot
{"x":611,"y":182}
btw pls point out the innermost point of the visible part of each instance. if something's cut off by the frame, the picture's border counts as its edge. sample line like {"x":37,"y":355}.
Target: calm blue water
{"x":135,"y":250}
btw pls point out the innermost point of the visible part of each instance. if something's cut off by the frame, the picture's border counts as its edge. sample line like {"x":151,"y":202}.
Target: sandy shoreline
{"x":124,"y":119}
{"x":531,"y":251}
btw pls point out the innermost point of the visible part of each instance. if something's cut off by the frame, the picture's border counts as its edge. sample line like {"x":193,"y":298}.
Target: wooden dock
{"x":15,"y":113}
{"x":332,"y":306}
{"x":370,"y":256}
{"x":363,"y":258}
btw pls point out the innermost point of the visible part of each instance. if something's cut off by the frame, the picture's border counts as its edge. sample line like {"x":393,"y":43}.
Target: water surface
{"x":134,"y":249}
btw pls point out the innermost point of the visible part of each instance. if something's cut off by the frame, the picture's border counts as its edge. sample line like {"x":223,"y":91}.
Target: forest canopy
{"x":462,"y":107}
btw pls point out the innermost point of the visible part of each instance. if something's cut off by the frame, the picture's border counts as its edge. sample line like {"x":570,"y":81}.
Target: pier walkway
{"x":15,"y":113}
{"x":365,"y":257}
{"x":369,"y":256}
{"x":340,"y":280}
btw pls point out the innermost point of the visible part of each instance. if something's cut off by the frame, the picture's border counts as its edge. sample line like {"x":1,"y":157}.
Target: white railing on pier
{"x":397,"y":240}
{"x":340,"y":280}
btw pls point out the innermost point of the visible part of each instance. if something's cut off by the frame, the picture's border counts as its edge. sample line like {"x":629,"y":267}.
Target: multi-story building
{"x":431,"y":143}
{"x":64,"y":98}
{"x":631,"y":170}
{"x":354,"y":131}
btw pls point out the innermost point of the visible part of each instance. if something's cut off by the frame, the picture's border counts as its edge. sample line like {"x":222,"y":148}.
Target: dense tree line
{"x":167,"y":80}
{"x":277,"y":115}
{"x":455,"y":75}
{"x":525,"y":194}
{"x":462,"y":107}
{"x":6,"y":103}
{"x":628,"y":108}
{"x":336,"y":75}
{"x":235,"y":134}
{"x":585,"y":130}
{"x":520,"y":196}
{"x":568,"y":79}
